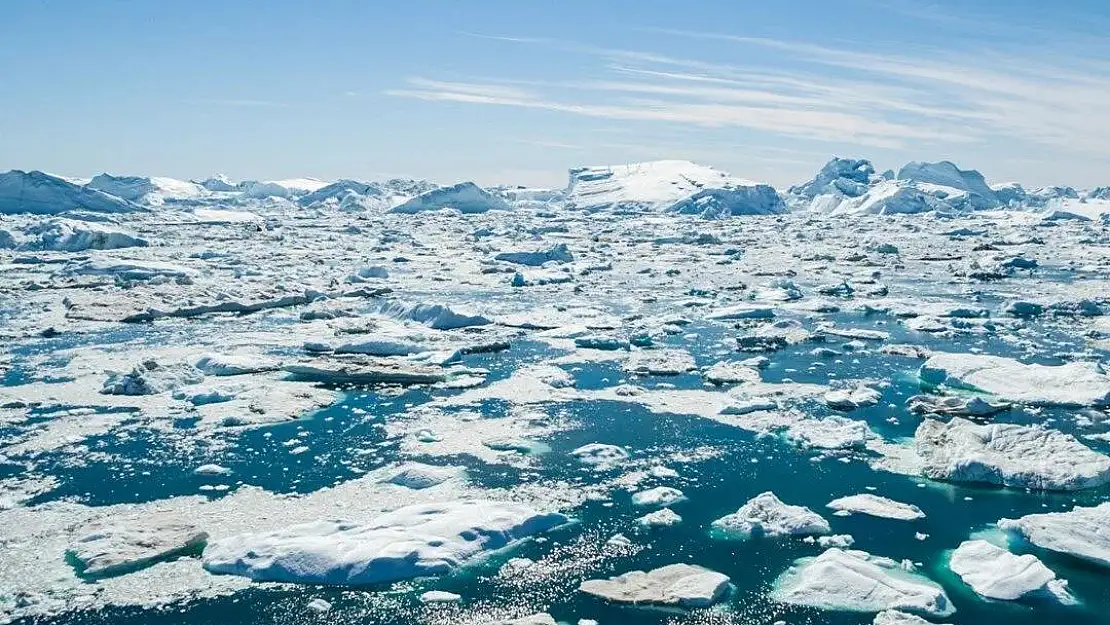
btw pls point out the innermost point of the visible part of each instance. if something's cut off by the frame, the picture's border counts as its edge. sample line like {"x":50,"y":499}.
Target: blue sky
{"x":518,"y":91}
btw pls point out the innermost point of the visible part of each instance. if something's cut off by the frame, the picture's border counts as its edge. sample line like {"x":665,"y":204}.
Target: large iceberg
{"x":1083,"y":533}
{"x":465,"y":197}
{"x":669,"y":186}
{"x":414,"y":541}
{"x":153,"y":191}
{"x":995,"y":573}
{"x":947,"y":174}
{"x":682,"y":585}
{"x":766,"y":515}
{"x":1069,"y":385}
{"x":857,"y":581}
{"x":36,"y":192}
{"x":1008,"y":455}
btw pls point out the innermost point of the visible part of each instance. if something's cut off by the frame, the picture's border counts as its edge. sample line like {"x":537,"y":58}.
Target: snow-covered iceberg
{"x":669,"y":186}
{"x":413,"y":541}
{"x":995,"y":573}
{"x":152,"y":191}
{"x":766,"y":515}
{"x":1083,"y":532}
{"x":1069,"y":385}
{"x":874,"y":505}
{"x":114,"y":550}
{"x":36,"y":192}
{"x":465,"y":197}
{"x":1008,"y":455}
{"x":856,"y":581}
{"x":682,"y":585}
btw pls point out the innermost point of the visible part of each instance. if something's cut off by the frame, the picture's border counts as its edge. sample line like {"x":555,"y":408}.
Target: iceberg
{"x":1074,"y":384}
{"x":36,"y":192}
{"x":465,"y":197}
{"x":660,"y":496}
{"x":557,"y":253}
{"x":115,"y":550}
{"x":681,"y":585}
{"x":152,"y":191}
{"x":669,"y":186}
{"x":413,"y":541}
{"x":995,"y":573}
{"x":69,"y":235}
{"x":876,"y":506}
{"x":1082,"y":533}
{"x":1008,"y":455}
{"x":765,"y":515}
{"x":946,"y":174}
{"x":856,"y":581}
{"x":600,"y":455}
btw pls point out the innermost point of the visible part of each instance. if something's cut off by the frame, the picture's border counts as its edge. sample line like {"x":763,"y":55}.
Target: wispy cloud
{"x":924,"y":99}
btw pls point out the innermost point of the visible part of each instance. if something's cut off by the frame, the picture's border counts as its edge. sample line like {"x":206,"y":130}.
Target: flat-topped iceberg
{"x":766,"y":515}
{"x":1083,"y":533}
{"x":856,"y":581}
{"x":414,"y":541}
{"x":1008,"y":455}
{"x":115,"y":550}
{"x":874,"y":505}
{"x":681,"y":585}
{"x":995,"y":573}
{"x":1069,"y":385}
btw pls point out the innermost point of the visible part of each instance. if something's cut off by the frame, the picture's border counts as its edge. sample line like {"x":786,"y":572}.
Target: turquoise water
{"x":134,"y":465}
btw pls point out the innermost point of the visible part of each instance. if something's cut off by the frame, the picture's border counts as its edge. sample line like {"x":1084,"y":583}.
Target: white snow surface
{"x":413,"y":541}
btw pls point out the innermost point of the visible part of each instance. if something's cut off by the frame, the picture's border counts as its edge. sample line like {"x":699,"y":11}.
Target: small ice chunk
{"x":418,"y":476}
{"x":658,"y":496}
{"x":211,"y":469}
{"x":439,"y":596}
{"x":660,"y":518}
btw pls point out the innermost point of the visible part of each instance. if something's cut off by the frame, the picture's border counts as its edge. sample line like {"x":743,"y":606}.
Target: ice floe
{"x":681,"y":585}
{"x":765,"y":515}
